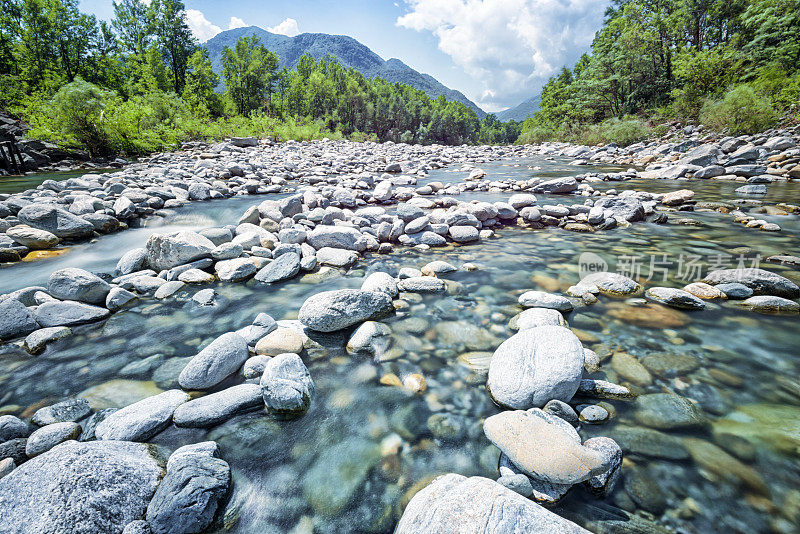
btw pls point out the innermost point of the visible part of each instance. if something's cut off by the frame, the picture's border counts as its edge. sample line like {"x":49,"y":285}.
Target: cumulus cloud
{"x":511,"y":46}
{"x":236,"y":22}
{"x":288,"y":28}
{"x":200,"y":25}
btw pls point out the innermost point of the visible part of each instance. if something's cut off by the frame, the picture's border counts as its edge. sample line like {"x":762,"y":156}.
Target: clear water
{"x":356,"y":457}
{"x":17,"y":184}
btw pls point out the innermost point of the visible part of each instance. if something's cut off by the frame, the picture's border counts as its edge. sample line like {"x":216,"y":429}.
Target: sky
{"x":497,"y":52}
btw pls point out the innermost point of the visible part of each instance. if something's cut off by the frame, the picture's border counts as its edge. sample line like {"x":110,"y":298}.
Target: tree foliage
{"x":678,"y":57}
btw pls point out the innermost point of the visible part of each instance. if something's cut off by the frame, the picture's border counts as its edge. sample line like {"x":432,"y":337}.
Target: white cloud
{"x":236,"y":22}
{"x":511,"y":46}
{"x":200,"y":26}
{"x":288,"y":28}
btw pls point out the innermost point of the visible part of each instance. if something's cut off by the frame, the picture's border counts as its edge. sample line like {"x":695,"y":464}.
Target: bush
{"x":740,"y":111}
{"x":623,"y":132}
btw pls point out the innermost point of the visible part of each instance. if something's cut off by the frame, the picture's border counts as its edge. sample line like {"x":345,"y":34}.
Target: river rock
{"x":141,"y":420}
{"x":235,"y":270}
{"x":69,"y":313}
{"x":71,"y":410}
{"x":286,"y":385}
{"x":612,"y":284}
{"x":220,"y":359}
{"x":165,"y":251}
{"x":78,"y":284}
{"x":475,"y":505}
{"x":338,"y":473}
{"x":55,"y":220}
{"x":187,"y":499}
{"x":666,"y":411}
{"x":626,"y":208}
{"x":735,"y":290}
{"x":533,"y":317}
{"x":12,"y":427}
{"x":371,"y":337}
{"x":676,"y":298}
{"x":770,"y":305}
{"x":675,"y":198}
{"x":280,"y":341}
{"x":542,"y":299}
{"x":117,"y":298}
{"x":464,"y":234}
{"x":543,"y":446}
{"x":335,"y":310}
{"x":760,"y":281}
{"x":63,"y":490}
{"x":15,"y":319}
{"x":535,"y":366}
{"x":132,"y":261}
{"x":421,"y":284}
{"x":47,"y":437}
{"x":336,"y":237}
{"x":336,"y":257}
{"x":218,"y":407}
{"x":380,"y":281}
{"x":281,"y":268}
{"x":32,"y":238}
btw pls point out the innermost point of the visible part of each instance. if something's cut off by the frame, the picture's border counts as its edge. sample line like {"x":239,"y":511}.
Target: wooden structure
{"x":10,"y":157}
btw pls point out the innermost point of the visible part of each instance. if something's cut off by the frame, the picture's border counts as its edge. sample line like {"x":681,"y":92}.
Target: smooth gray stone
{"x":71,"y":410}
{"x":188,"y":497}
{"x":336,"y":257}
{"x":627,"y":208}
{"x":165,"y":251}
{"x":218,"y":407}
{"x":464,"y":234}
{"x":47,"y":437}
{"x":37,"y":340}
{"x":534,"y":366}
{"x":14,"y":448}
{"x":55,"y":220}
{"x":141,"y":420}
{"x":15,"y":319}
{"x":336,"y":310}
{"x":286,"y":385}
{"x":118,"y":297}
{"x":64,"y":490}
{"x":69,"y":313}
{"x":478,"y":505}
{"x":220,"y":359}
{"x":132,"y":261}
{"x":421,"y":284}
{"x":281,"y":268}
{"x":337,"y":237}
{"x":235,"y":270}
{"x":380,"y":281}
{"x":557,"y":186}
{"x":760,"y":281}
{"x":675,"y":298}
{"x":735,"y":290}
{"x":12,"y":427}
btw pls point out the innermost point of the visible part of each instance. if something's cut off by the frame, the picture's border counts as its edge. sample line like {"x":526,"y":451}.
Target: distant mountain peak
{"x":520,"y":112}
{"x":349,"y":52}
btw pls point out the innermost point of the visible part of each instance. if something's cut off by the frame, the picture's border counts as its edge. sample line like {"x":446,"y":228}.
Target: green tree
{"x":250,"y":74}
{"x":175,"y":39}
{"x":201,"y":81}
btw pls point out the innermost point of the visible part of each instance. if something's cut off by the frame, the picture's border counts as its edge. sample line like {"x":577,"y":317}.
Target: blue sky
{"x":497,"y":52}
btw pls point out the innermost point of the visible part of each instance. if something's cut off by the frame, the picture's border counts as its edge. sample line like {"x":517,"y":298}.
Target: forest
{"x":732,"y":65}
{"x":142,"y":83}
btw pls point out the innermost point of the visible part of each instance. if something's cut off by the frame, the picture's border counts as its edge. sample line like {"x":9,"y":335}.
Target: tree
{"x":175,"y":39}
{"x":201,"y":80}
{"x":250,"y":74}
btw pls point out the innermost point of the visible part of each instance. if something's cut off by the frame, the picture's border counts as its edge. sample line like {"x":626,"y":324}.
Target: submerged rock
{"x":142,"y":420}
{"x":218,"y":407}
{"x":667,"y":411}
{"x":286,"y":385}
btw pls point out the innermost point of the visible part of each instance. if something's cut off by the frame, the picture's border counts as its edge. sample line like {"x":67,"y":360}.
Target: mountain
{"x":350,"y":53}
{"x":522,"y":111}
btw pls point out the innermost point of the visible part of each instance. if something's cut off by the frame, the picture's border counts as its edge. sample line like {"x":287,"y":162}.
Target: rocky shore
{"x":349,"y":202}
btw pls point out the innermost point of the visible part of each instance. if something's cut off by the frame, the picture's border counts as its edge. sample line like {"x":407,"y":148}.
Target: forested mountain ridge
{"x":347,"y":50}
{"x":521,"y":111}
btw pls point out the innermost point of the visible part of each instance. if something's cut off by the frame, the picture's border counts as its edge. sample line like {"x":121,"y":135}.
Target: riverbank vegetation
{"x":142,"y":82}
{"x":733,"y":65}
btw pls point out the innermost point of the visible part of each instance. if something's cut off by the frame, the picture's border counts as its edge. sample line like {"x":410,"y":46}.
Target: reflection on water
{"x":363,"y":448}
{"x":18,"y":184}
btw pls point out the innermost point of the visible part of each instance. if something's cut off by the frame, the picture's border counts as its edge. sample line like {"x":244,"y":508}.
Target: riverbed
{"x":352,"y":461}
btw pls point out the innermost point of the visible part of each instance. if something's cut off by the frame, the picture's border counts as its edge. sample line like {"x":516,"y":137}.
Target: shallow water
{"x":17,"y":184}
{"x":347,"y":464}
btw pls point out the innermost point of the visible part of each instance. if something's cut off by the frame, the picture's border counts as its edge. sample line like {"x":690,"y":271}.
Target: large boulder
{"x":760,"y":281}
{"x":165,"y":251}
{"x":477,"y":505}
{"x":77,"y":284}
{"x":626,"y":208}
{"x":220,"y":359}
{"x":568,"y":184}
{"x":330,"y":311}
{"x":55,"y":220}
{"x":535,"y":366}
{"x":81,"y":488}
{"x":33,"y":238}
{"x":15,"y":319}
{"x":283,"y":267}
{"x":193,"y":488}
